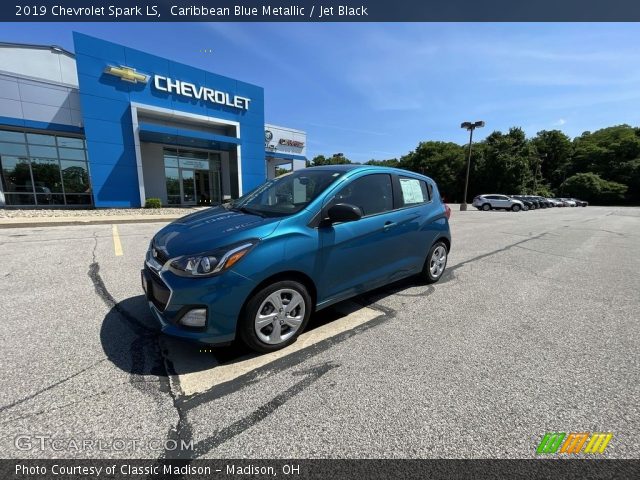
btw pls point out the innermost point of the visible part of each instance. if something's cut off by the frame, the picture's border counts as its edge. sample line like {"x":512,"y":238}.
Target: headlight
{"x":210,"y":263}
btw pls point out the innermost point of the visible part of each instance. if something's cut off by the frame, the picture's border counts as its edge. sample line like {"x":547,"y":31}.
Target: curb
{"x":80,"y":221}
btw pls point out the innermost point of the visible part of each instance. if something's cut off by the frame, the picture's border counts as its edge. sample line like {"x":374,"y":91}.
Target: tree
{"x":444,"y":162}
{"x":333,"y":160}
{"x":553,"y":150}
{"x":591,"y":187}
{"x":504,"y":164}
{"x":393,"y":162}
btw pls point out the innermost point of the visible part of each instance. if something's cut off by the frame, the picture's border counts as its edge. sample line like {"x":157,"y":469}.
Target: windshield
{"x":287,"y":194}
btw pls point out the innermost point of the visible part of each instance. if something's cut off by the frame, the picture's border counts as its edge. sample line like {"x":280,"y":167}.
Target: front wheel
{"x":515,"y":208}
{"x":274,"y":317}
{"x":436,"y":262}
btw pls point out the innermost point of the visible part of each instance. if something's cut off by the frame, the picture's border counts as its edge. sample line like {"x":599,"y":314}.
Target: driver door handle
{"x":388,"y":225}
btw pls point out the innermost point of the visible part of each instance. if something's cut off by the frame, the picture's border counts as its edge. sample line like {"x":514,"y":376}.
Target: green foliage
{"x":152,"y":203}
{"x":444,"y":161}
{"x":593,"y":188}
{"x":505,"y":164}
{"x":600,"y":167}
{"x":333,"y":160}
{"x":393,"y":162}
{"x":554,"y":152}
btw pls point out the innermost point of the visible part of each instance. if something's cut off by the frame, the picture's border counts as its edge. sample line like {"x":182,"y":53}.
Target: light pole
{"x":471,"y":126}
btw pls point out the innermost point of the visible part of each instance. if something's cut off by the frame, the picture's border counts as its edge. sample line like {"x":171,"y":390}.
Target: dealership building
{"x":110,"y":126}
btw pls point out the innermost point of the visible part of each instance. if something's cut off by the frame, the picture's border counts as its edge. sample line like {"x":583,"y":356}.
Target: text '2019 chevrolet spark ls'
{"x":257,"y":268}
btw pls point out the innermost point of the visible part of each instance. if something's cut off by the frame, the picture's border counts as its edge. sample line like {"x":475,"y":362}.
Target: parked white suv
{"x":495,"y":201}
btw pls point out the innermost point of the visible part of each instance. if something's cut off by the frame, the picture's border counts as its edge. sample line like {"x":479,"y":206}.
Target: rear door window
{"x":414,"y":191}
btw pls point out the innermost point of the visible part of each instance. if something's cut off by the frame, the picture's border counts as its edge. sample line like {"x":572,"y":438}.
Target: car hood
{"x":210,"y":229}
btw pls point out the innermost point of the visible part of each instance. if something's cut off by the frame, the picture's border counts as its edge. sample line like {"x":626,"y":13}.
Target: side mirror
{"x":344,"y":212}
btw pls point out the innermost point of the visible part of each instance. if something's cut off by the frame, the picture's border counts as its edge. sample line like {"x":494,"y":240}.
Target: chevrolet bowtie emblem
{"x":127,"y":74}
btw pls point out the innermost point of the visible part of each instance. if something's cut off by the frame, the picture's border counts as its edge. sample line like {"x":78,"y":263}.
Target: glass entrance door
{"x":192,"y":177}
{"x":188,"y":186}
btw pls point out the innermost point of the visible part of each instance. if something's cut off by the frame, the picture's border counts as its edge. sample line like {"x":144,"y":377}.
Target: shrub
{"x":593,"y":188}
{"x":153,"y":203}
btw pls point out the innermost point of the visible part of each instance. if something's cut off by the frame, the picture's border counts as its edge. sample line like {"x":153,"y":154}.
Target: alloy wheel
{"x":279,"y":316}
{"x":438,"y":261}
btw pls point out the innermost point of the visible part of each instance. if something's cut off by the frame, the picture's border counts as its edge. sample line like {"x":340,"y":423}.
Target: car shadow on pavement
{"x":132,"y":341}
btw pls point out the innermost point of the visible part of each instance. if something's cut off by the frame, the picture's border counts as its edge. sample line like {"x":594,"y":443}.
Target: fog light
{"x":195,"y":318}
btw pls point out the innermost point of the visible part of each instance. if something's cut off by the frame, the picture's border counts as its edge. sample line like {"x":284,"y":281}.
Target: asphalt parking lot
{"x":533,"y":328}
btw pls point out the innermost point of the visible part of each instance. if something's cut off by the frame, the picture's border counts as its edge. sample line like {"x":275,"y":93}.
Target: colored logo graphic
{"x":127,"y":74}
{"x":574,"y":442}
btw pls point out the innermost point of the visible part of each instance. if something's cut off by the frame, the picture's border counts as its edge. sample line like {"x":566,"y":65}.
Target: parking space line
{"x":211,"y":373}
{"x":117,"y":246}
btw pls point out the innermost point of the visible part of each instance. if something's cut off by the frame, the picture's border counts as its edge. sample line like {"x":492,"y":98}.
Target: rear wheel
{"x":436,"y":262}
{"x":486,"y":207}
{"x":275,"y":316}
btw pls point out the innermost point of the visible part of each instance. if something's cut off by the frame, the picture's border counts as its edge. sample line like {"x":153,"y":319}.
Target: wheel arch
{"x":293,"y":275}
{"x":445,"y":240}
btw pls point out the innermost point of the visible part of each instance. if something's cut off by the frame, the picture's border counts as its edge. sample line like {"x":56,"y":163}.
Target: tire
{"x":486,"y":207}
{"x":259,"y":336}
{"x":436,"y":262}
{"x":516,"y":208}
{"x":525,"y":208}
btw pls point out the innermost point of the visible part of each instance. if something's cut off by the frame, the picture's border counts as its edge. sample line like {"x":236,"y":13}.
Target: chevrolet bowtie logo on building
{"x":127,"y":74}
{"x":574,"y":442}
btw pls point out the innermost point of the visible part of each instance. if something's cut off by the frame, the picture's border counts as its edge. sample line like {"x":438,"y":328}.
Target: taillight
{"x":447,"y":211}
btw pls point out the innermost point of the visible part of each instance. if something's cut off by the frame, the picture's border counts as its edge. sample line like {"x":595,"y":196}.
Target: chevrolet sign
{"x":186,"y":89}
{"x":127,"y":74}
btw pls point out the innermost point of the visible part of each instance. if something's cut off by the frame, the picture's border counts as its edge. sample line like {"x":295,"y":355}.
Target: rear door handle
{"x":388,"y":225}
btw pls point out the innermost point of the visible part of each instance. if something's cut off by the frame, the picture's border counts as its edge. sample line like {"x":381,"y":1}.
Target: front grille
{"x":158,"y":292}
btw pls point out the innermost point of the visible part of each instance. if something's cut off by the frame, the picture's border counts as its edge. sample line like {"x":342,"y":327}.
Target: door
{"x":502,"y":201}
{"x":208,"y":188}
{"x":358,"y":255}
{"x":188,"y":187}
{"x":203,"y":187}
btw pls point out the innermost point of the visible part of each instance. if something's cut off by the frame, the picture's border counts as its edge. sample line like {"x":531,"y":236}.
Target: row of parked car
{"x":523,"y":202}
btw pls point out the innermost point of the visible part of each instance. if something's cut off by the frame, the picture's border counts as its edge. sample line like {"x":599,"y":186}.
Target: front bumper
{"x":170,"y":297}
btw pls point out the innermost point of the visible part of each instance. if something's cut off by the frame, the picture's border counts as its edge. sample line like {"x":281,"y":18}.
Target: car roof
{"x":336,"y":168}
{"x":375,"y":168}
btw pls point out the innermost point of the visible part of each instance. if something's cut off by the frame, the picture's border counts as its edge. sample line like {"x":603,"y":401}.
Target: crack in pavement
{"x":311,"y":375}
{"x":145,"y":338}
{"x":551,"y":253}
{"x":53,"y":385}
{"x":495,"y":252}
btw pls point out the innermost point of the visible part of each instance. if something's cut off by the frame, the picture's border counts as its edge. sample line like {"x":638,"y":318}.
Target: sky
{"x":374,"y":90}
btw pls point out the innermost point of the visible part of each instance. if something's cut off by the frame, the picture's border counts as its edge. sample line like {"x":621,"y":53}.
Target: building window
{"x":44,"y":170}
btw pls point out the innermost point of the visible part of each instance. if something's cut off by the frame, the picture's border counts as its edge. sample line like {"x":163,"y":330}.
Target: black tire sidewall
{"x":486,"y":205}
{"x":246,"y":331}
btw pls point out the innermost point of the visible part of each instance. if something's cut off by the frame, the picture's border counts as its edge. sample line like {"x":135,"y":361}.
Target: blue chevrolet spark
{"x":257,"y":267}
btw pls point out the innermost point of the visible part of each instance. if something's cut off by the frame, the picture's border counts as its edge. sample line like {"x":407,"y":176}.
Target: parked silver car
{"x":497,"y":202}
{"x":568,"y":202}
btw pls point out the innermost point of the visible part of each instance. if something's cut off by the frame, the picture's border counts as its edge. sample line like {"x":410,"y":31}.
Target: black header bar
{"x":319,"y":11}
{"x":557,"y":469}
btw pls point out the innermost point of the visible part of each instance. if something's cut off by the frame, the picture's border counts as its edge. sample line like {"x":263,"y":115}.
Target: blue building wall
{"x":106,"y":109}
